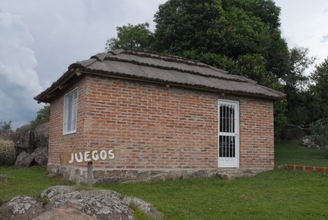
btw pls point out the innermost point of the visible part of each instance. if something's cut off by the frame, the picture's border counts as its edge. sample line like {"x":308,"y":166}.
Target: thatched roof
{"x":157,"y":68}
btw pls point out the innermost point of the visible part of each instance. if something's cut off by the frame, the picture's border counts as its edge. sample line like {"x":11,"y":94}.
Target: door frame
{"x":232,"y":162}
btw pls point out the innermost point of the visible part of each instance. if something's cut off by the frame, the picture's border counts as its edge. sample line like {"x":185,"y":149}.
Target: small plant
{"x":44,"y":201}
{"x":7,"y":152}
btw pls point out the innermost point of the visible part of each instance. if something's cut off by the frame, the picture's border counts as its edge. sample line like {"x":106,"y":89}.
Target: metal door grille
{"x":227,"y":140}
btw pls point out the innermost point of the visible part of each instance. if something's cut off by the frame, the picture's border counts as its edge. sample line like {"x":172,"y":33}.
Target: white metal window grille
{"x":227,"y":140}
{"x":70,"y":112}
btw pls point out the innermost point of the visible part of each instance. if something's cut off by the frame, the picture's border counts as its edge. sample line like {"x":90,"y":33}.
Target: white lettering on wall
{"x":79,"y":159}
{"x":94,"y":155}
{"x":103,"y":154}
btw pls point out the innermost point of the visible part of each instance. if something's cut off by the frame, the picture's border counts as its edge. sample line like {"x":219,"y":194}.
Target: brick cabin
{"x":131,"y":116}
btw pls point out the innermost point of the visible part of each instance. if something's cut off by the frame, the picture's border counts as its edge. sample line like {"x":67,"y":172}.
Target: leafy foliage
{"x":319,"y":133}
{"x":319,"y":90}
{"x":240,"y":36}
{"x":5,"y":125}
{"x":43,"y":116}
{"x":296,"y":86}
{"x":7,"y":152}
{"x":131,"y":37}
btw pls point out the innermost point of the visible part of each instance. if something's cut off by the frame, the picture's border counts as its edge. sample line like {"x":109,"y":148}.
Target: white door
{"x":228,"y":133}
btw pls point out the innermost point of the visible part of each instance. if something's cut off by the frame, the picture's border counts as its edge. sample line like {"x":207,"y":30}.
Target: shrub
{"x":7,"y":152}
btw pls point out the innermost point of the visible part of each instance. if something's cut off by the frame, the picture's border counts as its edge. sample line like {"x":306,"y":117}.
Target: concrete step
{"x":233,"y":173}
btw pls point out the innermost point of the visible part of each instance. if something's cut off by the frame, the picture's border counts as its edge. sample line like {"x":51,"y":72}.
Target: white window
{"x":70,"y":112}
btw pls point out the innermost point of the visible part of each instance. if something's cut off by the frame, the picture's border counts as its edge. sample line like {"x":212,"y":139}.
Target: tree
{"x":43,"y":116}
{"x":240,"y":36}
{"x":5,"y":125}
{"x":319,"y":90}
{"x":131,"y":37}
{"x":296,"y":86}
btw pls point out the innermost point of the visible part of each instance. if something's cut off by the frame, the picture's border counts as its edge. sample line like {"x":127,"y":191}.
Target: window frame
{"x":70,"y":111}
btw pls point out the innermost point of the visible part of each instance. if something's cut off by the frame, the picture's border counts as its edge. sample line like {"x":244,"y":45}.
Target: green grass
{"x":278,"y":194}
{"x":26,"y":181}
{"x":292,"y":153}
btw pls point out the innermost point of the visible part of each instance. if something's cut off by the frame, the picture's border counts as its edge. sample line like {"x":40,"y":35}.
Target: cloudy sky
{"x":40,"y":39}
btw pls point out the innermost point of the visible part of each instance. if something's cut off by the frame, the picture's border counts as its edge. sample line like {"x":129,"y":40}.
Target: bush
{"x":7,"y":152}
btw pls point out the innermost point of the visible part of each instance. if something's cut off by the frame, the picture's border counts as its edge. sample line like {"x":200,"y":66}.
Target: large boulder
{"x":40,"y":156}
{"x":104,"y":204}
{"x":21,"y":208}
{"x":24,"y":160}
{"x":67,"y":202}
{"x":41,"y":136}
{"x":64,"y":214}
{"x":24,"y":139}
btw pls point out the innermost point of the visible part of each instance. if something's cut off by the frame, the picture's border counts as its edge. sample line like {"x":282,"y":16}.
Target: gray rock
{"x":64,"y":214}
{"x":24,"y":139}
{"x":24,"y":160}
{"x":100,"y":204}
{"x":41,"y":136}
{"x":67,"y":202}
{"x":21,"y":208}
{"x":40,"y":156}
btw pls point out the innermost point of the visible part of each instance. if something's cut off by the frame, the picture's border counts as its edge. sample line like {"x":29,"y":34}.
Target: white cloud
{"x":19,"y":81}
{"x":303,"y":24}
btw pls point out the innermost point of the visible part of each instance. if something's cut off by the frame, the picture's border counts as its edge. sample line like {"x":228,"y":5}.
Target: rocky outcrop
{"x":64,"y":214}
{"x":21,"y":208}
{"x":41,"y":136}
{"x":33,"y":142}
{"x":23,"y":139}
{"x":24,"y":160}
{"x":40,"y":156}
{"x":67,"y":202}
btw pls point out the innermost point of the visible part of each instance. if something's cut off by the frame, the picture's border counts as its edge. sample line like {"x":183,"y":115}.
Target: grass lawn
{"x":277,"y":194}
{"x":26,"y":181}
{"x":292,"y":153}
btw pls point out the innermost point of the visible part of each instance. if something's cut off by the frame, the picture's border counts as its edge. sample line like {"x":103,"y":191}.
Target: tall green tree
{"x":319,"y":90}
{"x":131,"y":37}
{"x":43,"y":116}
{"x":225,"y":34}
{"x":296,"y":86}
{"x":240,"y":36}
{"x":5,"y":125}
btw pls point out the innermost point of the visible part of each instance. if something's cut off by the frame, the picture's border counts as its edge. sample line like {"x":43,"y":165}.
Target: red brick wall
{"x":256,"y":134}
{"x":59,"y":143}
{"x":156,"y":127}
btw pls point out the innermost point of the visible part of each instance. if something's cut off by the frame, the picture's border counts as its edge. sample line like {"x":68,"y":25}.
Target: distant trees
{"x":5,"y":125}
{"x":319,"y":91}
{"x":43,"y":116}
{"x":242,"y":37}
{"x":131,"y":37}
